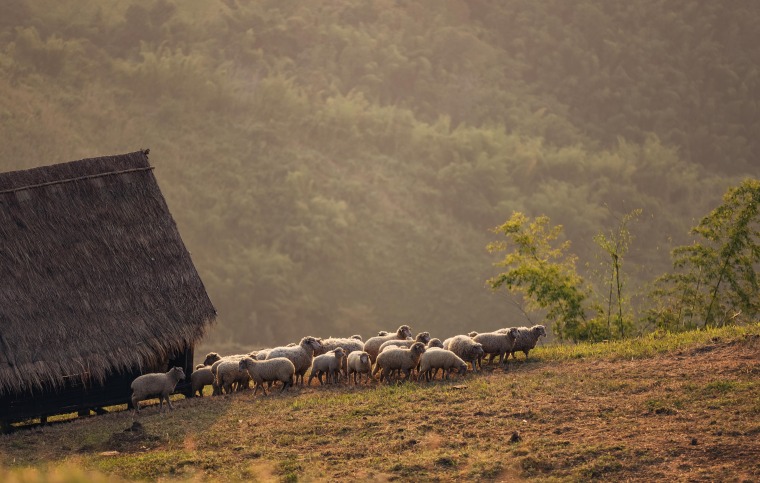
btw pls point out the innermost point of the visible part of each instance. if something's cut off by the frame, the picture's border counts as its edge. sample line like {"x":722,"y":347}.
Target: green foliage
{"x":540,"y":269}
{"x":715,"y":278}
{"x":334,"y":167}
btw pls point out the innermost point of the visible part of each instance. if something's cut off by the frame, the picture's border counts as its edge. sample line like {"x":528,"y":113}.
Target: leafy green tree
{"x":716,"y":277}
{"x":539,"y":267}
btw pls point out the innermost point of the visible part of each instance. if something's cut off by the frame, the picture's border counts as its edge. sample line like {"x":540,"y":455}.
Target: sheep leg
{"x":169,"y":402}
{"x":285,"y":384}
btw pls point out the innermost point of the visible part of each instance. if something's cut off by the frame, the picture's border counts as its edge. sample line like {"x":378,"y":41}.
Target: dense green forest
{"x":336,"y":167}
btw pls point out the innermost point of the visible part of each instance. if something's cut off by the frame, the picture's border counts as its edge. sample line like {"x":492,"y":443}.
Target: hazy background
{"x":335,"y":167}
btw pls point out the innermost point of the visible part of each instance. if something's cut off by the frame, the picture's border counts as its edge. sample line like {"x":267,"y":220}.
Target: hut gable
{"x":94,"y":277}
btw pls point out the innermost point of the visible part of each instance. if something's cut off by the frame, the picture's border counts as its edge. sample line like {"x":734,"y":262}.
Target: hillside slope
{"x":660,"y":408}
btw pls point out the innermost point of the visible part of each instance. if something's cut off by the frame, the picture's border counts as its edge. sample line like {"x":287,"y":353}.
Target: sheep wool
{"x":200,"y":378}
{"x":423,"y":337}
{"x":372,"y":346}
{"x":437,"y":358}
{"x":159,"y":385}
{"x":467,"y":349}
{"x":274,"y":369}
{"x":496,"y":344}
{"x":359,"y":363}
{"x":235,"y":379}
{"x":300,"y":355}
{"x":399,"y":359}
{"x":526,"y":340}
{"x":328,"y":364}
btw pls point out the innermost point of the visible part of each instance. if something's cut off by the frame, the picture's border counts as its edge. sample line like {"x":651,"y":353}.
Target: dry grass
{"x":689,"y":410}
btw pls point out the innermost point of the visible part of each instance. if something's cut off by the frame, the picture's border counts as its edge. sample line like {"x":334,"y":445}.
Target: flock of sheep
{"x":388,"y":354}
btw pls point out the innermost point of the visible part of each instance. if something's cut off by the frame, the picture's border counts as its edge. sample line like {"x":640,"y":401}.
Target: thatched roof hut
{"x":94,"y":277}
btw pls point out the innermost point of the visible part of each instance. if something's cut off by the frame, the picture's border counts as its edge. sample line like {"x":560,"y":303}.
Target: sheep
{"x":423,"y":337}
{"x":527,"y":337}
{"x":211,"y":357}
{"x":466,"y":348}
{"x":236,"y":379}
{"x":329,"y":364}
{"x":300,"y":355}
{"x":437,"y":358}
{"x":200,"y":378}
{"x":435,"y":342}
{"x":382,"y":333}
{"x":274,"y":369}
{"x":402,"y":359}
{"x":496,"y":344}
{"x":229,"y":376}
{"x":372,"y":346}
{"x":357,"y":337}
{"x":156,"y":384}
{"x":348,"y":345}
{"x":472,"y":334}
{"x":358,"y":363}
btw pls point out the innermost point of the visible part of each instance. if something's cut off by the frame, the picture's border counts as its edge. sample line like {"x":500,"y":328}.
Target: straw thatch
{"x":94,"y":277}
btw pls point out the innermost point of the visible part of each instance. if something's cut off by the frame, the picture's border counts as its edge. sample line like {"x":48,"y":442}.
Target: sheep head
{"x":178,"y":371}
{"x":539,"y":330}
{"x":404,"y":331}
{"x":418,"y":348}
{"x":211,"y":357}
{"x":311,"y":343}
{"x":477,"y":350}
{"x":435,"y":342}
{"x":423,"y":337}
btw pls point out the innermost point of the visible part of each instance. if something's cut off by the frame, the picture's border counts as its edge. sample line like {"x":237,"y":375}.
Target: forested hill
{"x":335,"y":166}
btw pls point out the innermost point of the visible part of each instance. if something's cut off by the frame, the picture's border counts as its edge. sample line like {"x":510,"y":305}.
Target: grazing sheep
{"x":423,"y":337}
{"x":200,"y":378}
{"x":496,"y":344}
{"x":372,"y":346}
{"x":467,"y":349}
{"x":399,"y":359}
{"x":156,"y":385}
{"x":359,"y":363}
{"x":437,"y":358}
{"x":329,"y":364}
{"x":270,"y":370}
{"x":300,"y":355}
{"x":527,"y":337}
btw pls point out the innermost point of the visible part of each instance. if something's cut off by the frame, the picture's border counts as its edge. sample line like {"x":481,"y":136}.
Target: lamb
{"x":329,"y":364}
{"x":372,"y":346}
{"x":466,"y":348}
{"x":348,"y":345}
{"x":156,"y":384}
{"x":270,"y":370}
{"x":423,"y":337}
{"x":211,"y":357}
{"x":358,"y":363}
{"x":300,"y":355}
{"x":399,"y":359}
{"x":437,"y":358}
{"x":200,"y":378}
{"x":496,"y":344}
{"x":526,"y":338}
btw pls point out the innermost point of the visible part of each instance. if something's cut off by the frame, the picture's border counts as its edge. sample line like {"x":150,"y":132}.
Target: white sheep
{"x":156,"y":385}
{"x":200,"y":378}
{"x":435,"y":342}
{"x":329,"y":364}
{"x":423,"y":337}
{"x":399,"y":359}
{"x":270,"y":370}
{"x":436,"y":358}
{"x":359,"y":363}
{"x":526,"y":340}
{"x":300,"y":355}
{"x":234,"y":379}
{"x":466,"y":348}
{"x":349,"y":345}
{"x":372,"y":345}
{"x":496,"y":344}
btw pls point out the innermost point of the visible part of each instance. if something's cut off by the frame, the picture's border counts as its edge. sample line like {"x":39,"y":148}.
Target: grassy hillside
{"x":662,"y":407}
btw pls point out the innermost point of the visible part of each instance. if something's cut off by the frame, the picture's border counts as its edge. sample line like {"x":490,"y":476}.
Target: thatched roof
{"x":94,"y":277}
